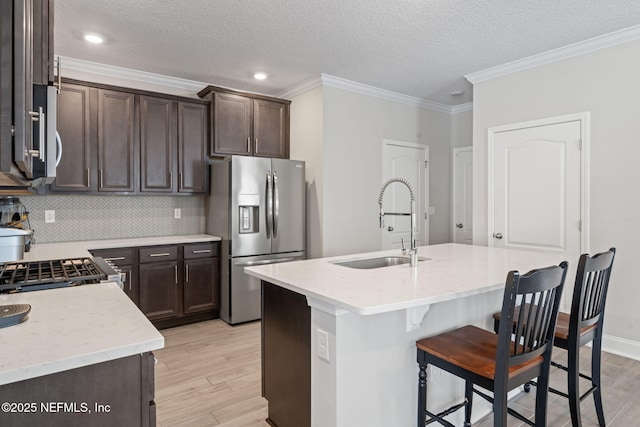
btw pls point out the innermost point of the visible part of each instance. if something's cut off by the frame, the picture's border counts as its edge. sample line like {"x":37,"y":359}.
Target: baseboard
{"x":621,"y":346}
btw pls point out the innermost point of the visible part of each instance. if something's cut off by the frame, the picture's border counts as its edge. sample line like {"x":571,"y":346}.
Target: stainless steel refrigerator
{"x":257,"y":207}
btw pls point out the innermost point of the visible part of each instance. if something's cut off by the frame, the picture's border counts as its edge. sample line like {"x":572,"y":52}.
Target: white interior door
{"x":410,"y":161}
{"x":462,"y":195}
{"x":538,"y":195}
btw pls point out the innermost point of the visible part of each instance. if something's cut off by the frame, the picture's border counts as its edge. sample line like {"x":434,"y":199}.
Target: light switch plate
{"x":177,"y":213}
{"x":432,"y":210}
{"x":49,"y":216}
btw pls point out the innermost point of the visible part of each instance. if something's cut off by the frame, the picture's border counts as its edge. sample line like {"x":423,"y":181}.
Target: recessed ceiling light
{"x":457,"y":93}
{"x":93,"y":38}
{"x":259,"y":76}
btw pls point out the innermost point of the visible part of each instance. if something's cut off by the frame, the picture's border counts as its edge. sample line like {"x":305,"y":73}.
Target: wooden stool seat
{"x":473,"y":349}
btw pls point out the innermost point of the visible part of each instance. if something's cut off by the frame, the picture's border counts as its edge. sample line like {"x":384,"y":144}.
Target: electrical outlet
{"x":323,"y":344}
{"x":177,"y":213}
{"x":49,"y":216}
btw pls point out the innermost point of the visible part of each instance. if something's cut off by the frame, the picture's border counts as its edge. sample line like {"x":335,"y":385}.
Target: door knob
{"x":390,"y":228}
{"x":497,"y":235}
{"x":459,"y":225}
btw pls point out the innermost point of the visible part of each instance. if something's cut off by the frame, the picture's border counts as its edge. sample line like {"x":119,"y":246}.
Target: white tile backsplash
{"x":85,"y":217}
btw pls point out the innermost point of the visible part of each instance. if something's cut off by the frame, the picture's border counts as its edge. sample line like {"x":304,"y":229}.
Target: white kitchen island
{"x":373,"y":318}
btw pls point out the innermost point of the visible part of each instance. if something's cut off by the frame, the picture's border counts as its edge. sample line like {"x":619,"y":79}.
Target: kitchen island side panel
{"x":118,"y":392}
{"x":286,"y":356}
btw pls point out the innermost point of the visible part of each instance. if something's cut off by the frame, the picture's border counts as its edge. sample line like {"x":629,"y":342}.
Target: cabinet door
{"x":200,"y":285}
{"x":42,"y":27}
{"x":232,"y":124}
{"x":270,"y":129}
{"x":73,"y":124}
{"x":192,"y":148}
{"x":160,"y":289}
{"x":157,"y":144}
{"x":116,"y":141}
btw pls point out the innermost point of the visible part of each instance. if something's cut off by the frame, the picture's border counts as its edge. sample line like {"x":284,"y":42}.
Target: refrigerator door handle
{"x":276,"y":205}
{"x":269,"y":204}
{"x":265,"y":262}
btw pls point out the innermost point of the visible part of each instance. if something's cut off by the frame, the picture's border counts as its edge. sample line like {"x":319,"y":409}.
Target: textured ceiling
{"x":421,"y":48}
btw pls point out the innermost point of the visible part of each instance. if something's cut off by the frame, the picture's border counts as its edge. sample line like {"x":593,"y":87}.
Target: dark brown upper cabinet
{"x":117,"y":142}
{"x":247,"y":124}
{"x":73,"y":125}
{"x":192,"y":148}
{"x":125,"y":141}
{"x":157,"y":144}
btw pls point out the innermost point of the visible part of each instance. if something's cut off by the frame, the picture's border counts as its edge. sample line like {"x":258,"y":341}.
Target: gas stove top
{"x":25,"y":276}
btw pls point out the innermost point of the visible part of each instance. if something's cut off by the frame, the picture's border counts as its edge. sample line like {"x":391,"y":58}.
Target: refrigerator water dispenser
{"x":249,"y":213}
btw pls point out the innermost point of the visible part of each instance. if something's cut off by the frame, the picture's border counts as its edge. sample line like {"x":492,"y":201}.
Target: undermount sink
{"x":378,"y":262}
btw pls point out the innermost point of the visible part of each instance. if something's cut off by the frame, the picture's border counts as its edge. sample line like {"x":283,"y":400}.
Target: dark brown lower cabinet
{"x":160,"y":289}
{"x":118,"y":392}
{"x":179,"y":284}
{"x":171,"y":284}
{"x":286,"y":356}
{"x":199,"y":294}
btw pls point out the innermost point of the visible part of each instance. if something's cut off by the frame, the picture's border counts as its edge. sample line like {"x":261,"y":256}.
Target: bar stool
{"x":579,"y":327}
{"x":504,"y":361}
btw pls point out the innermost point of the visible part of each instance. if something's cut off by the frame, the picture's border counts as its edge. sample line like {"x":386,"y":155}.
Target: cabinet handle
{"x":201,"y":251}
{"x":186,"y":274}
{"x":100,"y":174}
{"x":175,"y":268}
{"x":88,"y":177}
{"x":117,"y":258}
{"x":59,"y":66}
{"x":161,"y":254}
{"x":170,"y":179}
{"x":248,"y":144}
{"x":181,"y":182}
{"x":256,"y":146}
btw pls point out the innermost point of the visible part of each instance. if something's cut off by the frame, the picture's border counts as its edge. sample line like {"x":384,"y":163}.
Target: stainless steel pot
{"x":12,"y":243}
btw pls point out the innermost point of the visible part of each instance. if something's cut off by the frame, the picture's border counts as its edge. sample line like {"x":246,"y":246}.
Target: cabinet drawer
{"x":201,"y":250}
{"x":158,"y":253}
{"x":119,"y":256}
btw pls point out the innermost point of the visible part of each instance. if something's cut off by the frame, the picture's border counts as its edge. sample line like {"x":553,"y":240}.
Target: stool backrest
{"x":537,"y":293}
{"x":590,"y":291}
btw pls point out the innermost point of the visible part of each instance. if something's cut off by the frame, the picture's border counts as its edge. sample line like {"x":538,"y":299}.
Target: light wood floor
{"x":208,"y":374}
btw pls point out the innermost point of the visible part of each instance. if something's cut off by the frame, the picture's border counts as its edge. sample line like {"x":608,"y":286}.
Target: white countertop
{"x":80,"y":249}
{"x":72,"y":327}
{"x":453,"y":271}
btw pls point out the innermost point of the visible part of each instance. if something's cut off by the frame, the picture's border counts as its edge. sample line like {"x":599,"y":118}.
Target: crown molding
{"x":363,"y":89}
{"x":462,"y":108}
{"x":308,"y":84}
{"x":596,"y":43}
{"x":301,"y":87}
{"x":129,"y":74}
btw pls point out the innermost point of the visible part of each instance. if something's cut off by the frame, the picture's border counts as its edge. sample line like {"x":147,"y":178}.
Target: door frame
{"x":425,"y":194}
{"x":454,"y":170}
{"x":585,"y":132}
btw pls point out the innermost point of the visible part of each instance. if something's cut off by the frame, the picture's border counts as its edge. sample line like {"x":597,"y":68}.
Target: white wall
{"x":350,"y":162}
{"x":605,"y":83}
{"x":462,"y":129}
{"x":307,"y":144}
